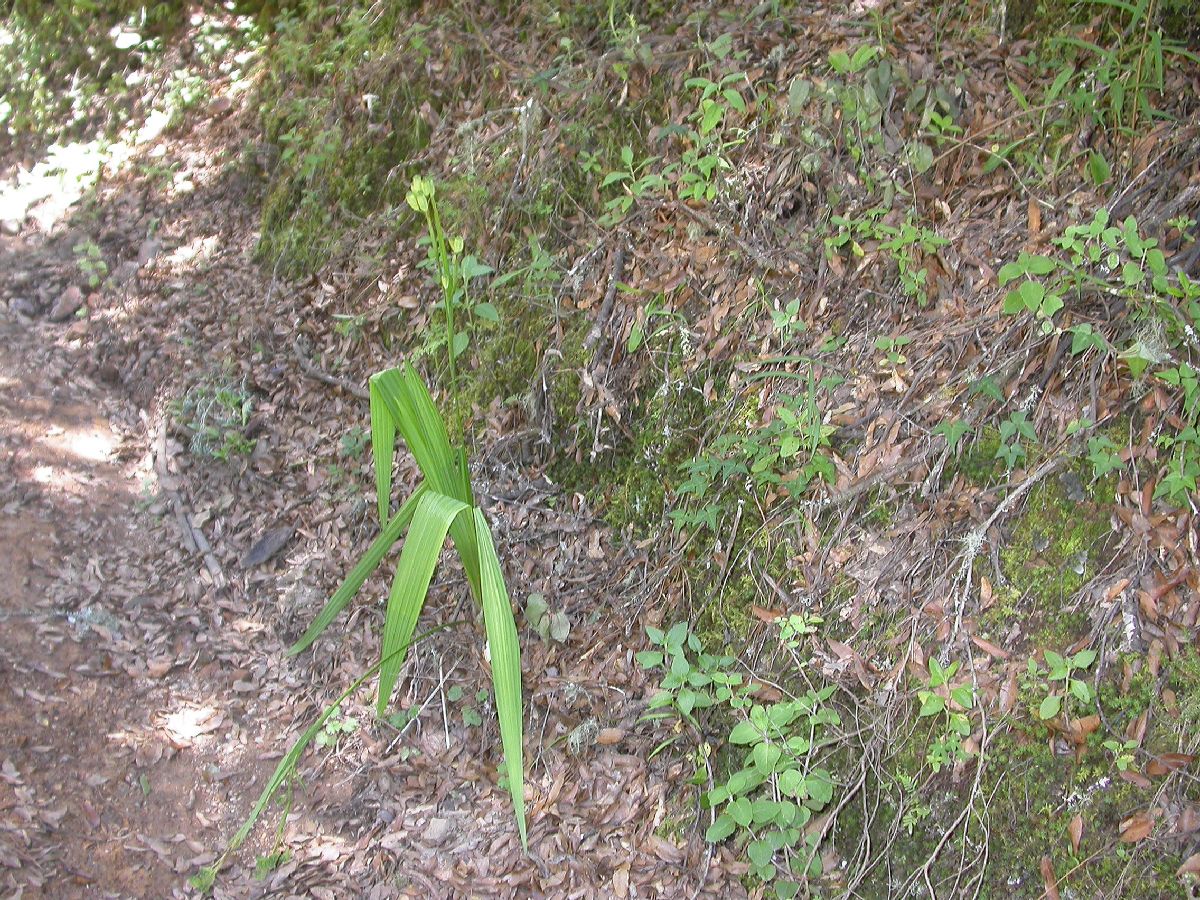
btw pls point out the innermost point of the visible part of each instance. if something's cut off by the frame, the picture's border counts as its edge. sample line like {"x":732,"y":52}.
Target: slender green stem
{"x":288,"y":764}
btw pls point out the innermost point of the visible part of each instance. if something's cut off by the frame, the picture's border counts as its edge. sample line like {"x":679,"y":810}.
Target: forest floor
{"x":147,"y":697}
{"x":781,"y":385}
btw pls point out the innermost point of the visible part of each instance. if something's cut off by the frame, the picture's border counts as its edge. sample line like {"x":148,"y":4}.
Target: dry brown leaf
{"x":1191,"y":866}
{"x":1075,"y":830}
{"x":1137,"y":728}
{"x":620,"y":882}
{"x":1136,"y":828}
{"x":1135,"y":778}
{"x":1189,"y":819}
{"x":1048,"y":879}
{"x":989,"y":648}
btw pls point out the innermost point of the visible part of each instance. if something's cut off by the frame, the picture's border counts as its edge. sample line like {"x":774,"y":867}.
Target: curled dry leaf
{"x":1191,"y":866}
{"x":1135,"y":778}
{"x":1136,"y":828}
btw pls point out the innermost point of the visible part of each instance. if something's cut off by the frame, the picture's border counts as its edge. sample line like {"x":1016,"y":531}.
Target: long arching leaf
{"x":383,"y":446}
{"x":371,"y":559}
{"x":422,"y":548}
{"x":506,"y":668}
{"x":403,"y":395}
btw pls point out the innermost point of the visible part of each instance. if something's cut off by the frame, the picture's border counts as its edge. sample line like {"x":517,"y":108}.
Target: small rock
{"x":437,"y":830}
{"x":11,"y":226}
{"x":125,"y":272}
{"x":78,"y":329}
{"x":267,"y":546}
{"x":220,"y":106}
{"x":23,"y":306}
{"x":148,"y":250}
{"x":68,"y":302}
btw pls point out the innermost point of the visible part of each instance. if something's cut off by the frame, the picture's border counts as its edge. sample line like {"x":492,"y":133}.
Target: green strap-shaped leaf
{"x":417,"y":420}
{"x":371,"y":559}
{"x":401,"y":396}
{"x":506,"y":668}
{"x":422,"y":548}
{"x":383,"y":447}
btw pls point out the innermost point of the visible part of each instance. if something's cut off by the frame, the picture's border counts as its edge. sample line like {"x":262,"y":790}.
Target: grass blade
{"x":422,"y":548}
{"x":288,"y":764}
{"x":506,"y":668}
{"x":371,"y":559}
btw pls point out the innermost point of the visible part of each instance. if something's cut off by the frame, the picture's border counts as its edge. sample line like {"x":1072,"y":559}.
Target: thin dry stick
{"x":614,"y":278}
{"x":307,"y":367}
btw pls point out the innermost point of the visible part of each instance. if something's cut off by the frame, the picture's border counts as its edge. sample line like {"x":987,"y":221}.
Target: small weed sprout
{"x":90,"y":260}
{"x":948,"y":705}
{"x":1063,"y":670}
{"x":216,"y":414}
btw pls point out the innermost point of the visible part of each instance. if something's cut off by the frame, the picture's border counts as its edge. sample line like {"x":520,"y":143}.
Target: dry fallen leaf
{"x":1136,"y":828}
{"x":1191,"y":866}
{"x":1048,"y":879}
{"x":1075,"y":830}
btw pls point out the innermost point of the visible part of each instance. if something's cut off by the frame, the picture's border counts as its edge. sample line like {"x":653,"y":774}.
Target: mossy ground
{"x":1054,"y":547}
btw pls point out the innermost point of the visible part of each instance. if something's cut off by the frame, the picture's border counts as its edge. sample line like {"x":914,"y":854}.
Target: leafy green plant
{"x":779,"y":785}
{"x":695,"y":679}
{"x":335,"y":726}
{"x":442,"y":504}
{"x":1102,"y":454}
{"x":90,"y":259}
{"x":952,"y":430}
{"x":949,"y":705}
{"x":1063,"y":670}
{"x":1113,"y":258}
{"x":905,"y":244}
{"x":452,"y":270}
{"x":216,"y":411}
{"x":915,"y":811}
{"x":787,"y":321}
{"x":1179,"y":482}
{"x":636,"y":182}
{"x":353,"y":442}
{"x":892,"y":348}
{"x":789,"y":451}
{"x":349,"y":325}
{"x":1130,"y":69}
{"x":717,"y":100}
{"x":1015,"y":429}
{"x":709,"y":139}
{"x":778,"y":789}
{"x":468,"y":711}
{"x":553,"y":626}
{"x":796,"y":626}
{"x":1122,"y":752}
{"x":267,"y":863}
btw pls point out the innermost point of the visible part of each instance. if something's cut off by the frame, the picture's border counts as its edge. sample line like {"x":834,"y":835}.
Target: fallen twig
{"x":309,"y":369}
{"x":614,"y":279}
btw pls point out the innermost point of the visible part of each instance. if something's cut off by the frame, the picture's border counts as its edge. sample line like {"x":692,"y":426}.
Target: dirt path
{"x":114,"y":748}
